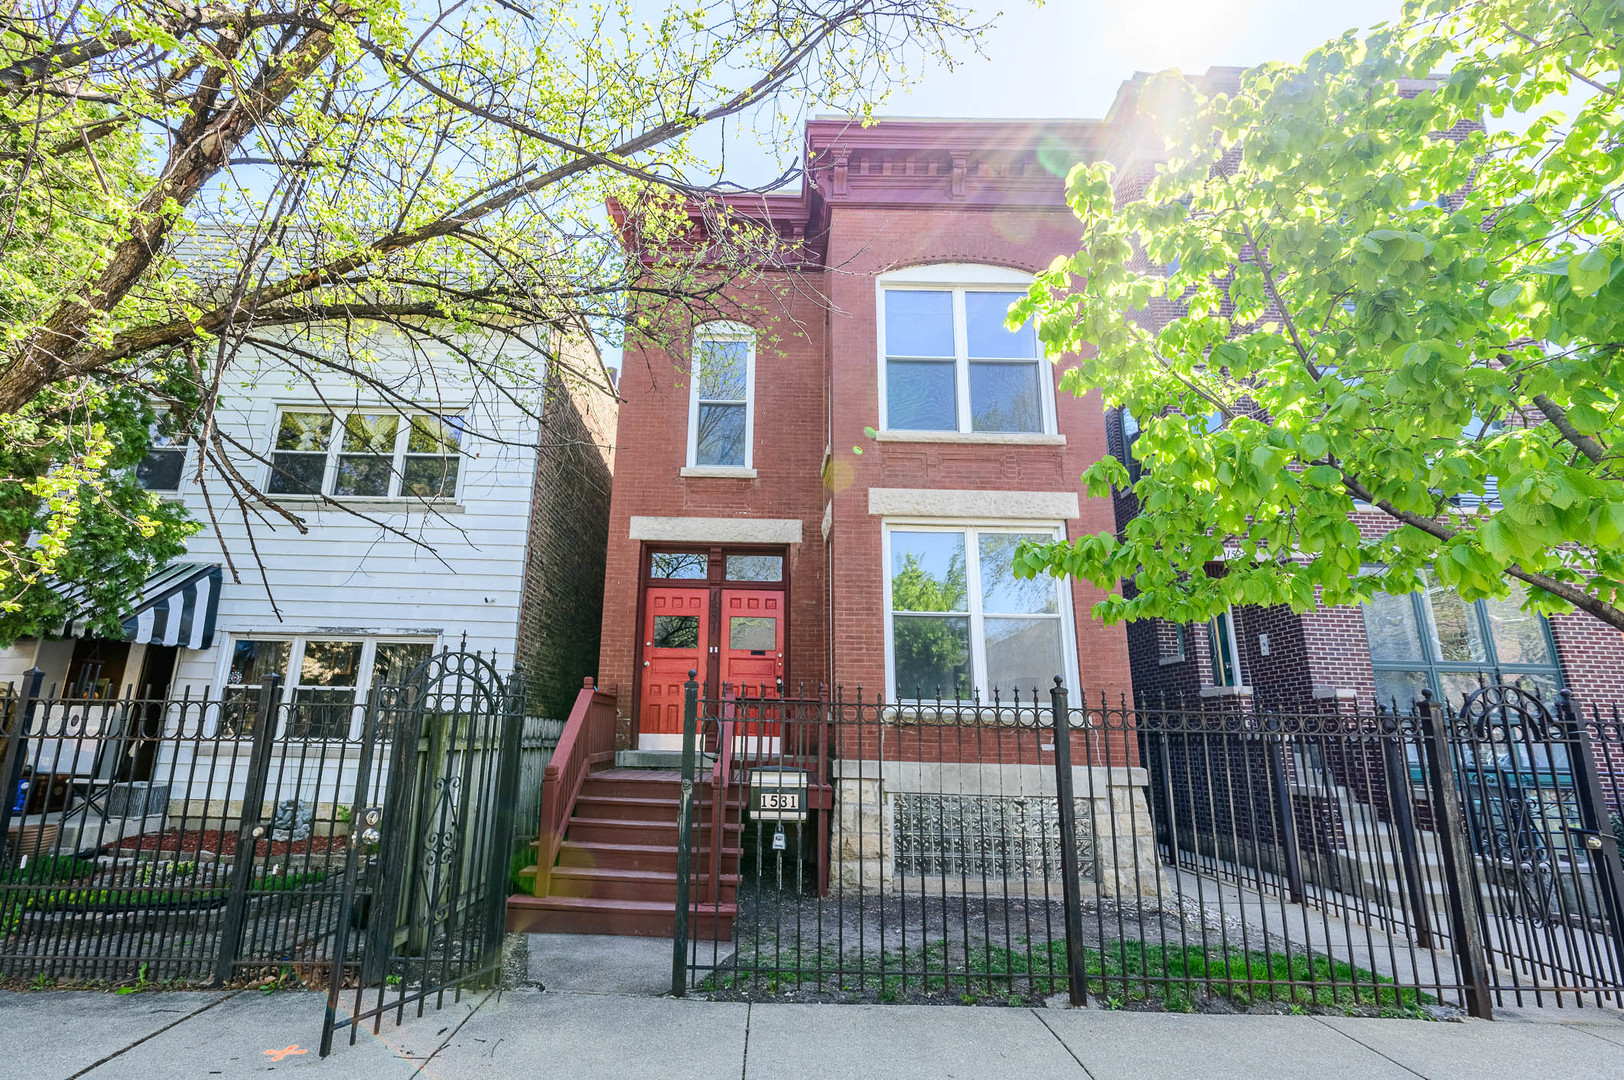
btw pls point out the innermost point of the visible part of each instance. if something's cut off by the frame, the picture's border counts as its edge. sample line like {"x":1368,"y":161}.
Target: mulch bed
{"x":220,"y":842}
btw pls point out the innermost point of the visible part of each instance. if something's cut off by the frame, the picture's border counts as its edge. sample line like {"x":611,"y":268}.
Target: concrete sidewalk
{"x":528,"y":1033}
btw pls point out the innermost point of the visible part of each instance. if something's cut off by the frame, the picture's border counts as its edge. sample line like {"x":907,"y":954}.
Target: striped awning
{"x":175,"y":606}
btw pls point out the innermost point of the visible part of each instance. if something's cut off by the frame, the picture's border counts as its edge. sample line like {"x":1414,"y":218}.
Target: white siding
{"x":350,"y":577}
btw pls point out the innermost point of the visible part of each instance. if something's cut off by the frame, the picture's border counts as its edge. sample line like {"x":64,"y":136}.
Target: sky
{"x":1067,"y":58}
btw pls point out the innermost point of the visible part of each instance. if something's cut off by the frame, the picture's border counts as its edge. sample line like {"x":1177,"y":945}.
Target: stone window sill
{"x":974,"y":438}
{"x":1226,"y":691}
{"x":1165,"y":660}
{"x":720,"y":471}
{"x":1335,"y":693}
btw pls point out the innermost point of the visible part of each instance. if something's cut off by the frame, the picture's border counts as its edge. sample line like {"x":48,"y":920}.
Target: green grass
{"x":1175,"y":977}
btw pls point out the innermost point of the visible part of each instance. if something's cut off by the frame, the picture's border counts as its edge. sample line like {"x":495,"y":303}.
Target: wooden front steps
{"x":616,"y":871}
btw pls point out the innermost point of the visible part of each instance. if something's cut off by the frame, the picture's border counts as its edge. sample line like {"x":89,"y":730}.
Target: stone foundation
{"x":913,"y":825}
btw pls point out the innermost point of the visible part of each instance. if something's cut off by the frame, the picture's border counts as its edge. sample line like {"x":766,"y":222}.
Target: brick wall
{"x":787,"y":313}
{"x":564,"y":558}
{"x":866,"y":241}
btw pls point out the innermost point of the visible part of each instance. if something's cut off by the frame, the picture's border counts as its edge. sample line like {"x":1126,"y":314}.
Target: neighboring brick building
{"x":1379,"y":653}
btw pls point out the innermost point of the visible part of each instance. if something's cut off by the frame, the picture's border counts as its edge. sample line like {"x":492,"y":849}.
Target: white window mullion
{"x":329,"y":475}
{"x":750,"y":405}
{"x":693,"y":406}
{"x":978,"y":639}
{"x":961,"y":359}
{"x":397,"y":468}
{"x":363,"y":686}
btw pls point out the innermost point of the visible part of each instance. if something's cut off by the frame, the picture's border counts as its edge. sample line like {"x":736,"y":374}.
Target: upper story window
{"x":947,"y":361}
{"x":721,"y":424}
{"x":366,"y":455}
{"x":1128,"y":429}
{"x":161,"y":469}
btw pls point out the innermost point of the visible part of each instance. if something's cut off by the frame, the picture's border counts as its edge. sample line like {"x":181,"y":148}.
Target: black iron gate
{"x":1542,"y":852}
{"x":426,"y":876}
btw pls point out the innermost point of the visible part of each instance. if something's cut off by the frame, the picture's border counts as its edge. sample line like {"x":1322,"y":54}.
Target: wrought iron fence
{"x":205,"y":840}
{"x":1197,"y":855}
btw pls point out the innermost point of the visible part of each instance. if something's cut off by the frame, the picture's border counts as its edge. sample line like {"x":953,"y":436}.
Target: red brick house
{"x":872,"y":413}
{"x":826,"y":486}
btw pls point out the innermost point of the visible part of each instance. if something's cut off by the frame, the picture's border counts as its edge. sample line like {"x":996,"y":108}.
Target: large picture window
{"x":950,"y":365}
{"x":366,"y":455}
{"x":720,"y":425}
{"x":960,"y":625}
{"x":1434,"y":640}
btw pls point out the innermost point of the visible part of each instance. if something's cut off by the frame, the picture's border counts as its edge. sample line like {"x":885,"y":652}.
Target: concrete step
{"x":657,"y":759}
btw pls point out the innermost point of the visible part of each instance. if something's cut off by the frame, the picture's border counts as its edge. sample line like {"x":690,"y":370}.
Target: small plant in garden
{"x":391,"y":980}
{"x":1113,"y":1003}
{"x":140,"y":983}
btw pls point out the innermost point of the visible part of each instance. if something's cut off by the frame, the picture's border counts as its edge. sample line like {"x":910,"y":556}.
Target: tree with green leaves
{"x":1369,"y":320}
{"x":190,"y":192}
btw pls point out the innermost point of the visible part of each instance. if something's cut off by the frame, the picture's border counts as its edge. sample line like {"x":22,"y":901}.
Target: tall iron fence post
{"x":249,"y":830}
{"x":355,"y":845}
{"x":1071,"y":886}
{"x":507,"y":790}
{"x":685,"y":825}
{"x":1465,"y":917}
{"x":1600,"y":843}
{"x":1274,"y":753}
{"x":1398,"y":803}
{"x":395,"y":844}
{"x":11,"y":761}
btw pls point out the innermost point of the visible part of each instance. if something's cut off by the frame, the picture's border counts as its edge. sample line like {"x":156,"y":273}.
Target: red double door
{"x":737,"y":643}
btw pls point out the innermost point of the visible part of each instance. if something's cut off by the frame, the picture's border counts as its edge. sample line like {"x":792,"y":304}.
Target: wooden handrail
{"x":588,"y":740}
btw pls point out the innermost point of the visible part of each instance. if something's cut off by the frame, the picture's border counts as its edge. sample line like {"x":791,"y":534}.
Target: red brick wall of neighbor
{"x":866,"y":241}
{"x":789,"y":439}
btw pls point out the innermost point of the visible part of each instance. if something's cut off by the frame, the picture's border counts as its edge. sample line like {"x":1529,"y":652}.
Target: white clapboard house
{"x":464,"y":509}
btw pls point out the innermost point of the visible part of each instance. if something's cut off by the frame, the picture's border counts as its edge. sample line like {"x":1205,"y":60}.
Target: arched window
{"x":721,"y":399}
{"x":948,"y":364}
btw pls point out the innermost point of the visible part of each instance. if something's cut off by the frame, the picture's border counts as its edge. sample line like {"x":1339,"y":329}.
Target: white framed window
{"x":1226,"y":667}
{"x":165,"y":462}
{"x":365,"y":454}
{"x":960,"y":625}
{"x":721,"y":398}
{"x":325,"y":677}
{"x":947,"y":364}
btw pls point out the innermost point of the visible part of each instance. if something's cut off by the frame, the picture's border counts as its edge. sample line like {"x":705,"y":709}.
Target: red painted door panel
{"x":752,"y":645}
{"x":676,"y":634}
